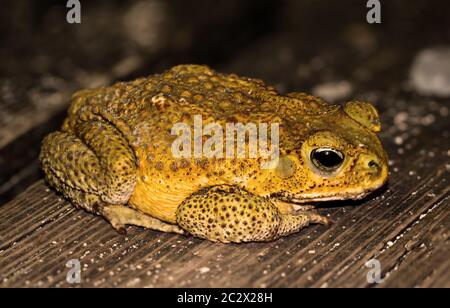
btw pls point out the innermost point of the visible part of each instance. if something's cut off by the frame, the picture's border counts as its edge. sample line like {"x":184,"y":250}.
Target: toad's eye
{"x":327,"y":159}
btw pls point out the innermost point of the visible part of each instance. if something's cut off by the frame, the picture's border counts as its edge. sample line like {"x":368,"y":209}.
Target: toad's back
{"x":157,"y":102}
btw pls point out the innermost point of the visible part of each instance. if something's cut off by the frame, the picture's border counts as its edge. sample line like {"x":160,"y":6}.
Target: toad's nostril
{"x":373,"y":165}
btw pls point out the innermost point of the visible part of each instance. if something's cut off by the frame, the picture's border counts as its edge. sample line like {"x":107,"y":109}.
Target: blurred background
{"x":327,"y":48}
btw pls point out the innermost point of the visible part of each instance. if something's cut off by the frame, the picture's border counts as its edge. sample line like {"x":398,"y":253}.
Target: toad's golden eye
{"x":327,"y":159}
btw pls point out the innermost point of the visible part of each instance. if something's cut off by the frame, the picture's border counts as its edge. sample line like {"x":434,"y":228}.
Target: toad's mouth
{"x":318,"y":198}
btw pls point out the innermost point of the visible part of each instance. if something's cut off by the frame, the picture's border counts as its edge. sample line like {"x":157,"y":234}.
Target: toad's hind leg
{"x":95,"y":158}
{"x":96,"y":170}
{"x":117,"y":215}
{"x":230,"y":214}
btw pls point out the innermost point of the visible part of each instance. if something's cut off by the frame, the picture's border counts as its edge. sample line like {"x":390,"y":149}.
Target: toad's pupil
{"x":327,"y":158}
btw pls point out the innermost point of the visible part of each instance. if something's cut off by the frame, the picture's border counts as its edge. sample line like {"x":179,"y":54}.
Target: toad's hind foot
{"x":119,"y":216}
{"x":291,"y":208}
{"x":230,"y":214}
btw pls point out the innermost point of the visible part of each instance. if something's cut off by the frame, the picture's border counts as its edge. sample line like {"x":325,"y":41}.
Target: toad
{"x":113,"y":156}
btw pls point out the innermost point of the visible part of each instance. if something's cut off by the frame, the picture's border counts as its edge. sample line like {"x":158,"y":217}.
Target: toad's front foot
{"x":230,"y":214}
